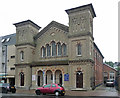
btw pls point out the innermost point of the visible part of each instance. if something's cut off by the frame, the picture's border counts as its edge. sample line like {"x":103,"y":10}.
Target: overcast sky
{"x":42,"y":12}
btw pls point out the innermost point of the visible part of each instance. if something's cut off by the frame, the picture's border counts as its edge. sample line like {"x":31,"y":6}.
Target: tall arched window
{"x":79,"y":49}
{"x":54,"y":49}
{"x":64,"y":50}
{"x":21,"y":79}
{"x":59,"y":50}
{"x":48,"y":50}
{"x":21,"y":55}
{"x":43,"y":51}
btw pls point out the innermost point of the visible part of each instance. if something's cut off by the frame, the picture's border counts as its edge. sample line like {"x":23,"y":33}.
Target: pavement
{"x":99,"y":91}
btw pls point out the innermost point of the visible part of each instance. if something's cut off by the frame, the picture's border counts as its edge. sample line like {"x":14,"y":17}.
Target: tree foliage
{"x":110,"y":63}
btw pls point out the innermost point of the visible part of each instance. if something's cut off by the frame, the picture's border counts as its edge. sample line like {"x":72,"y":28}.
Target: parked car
{"x":53,"y":88}
{"x":110,"y":82}
{"x":6,"y":87}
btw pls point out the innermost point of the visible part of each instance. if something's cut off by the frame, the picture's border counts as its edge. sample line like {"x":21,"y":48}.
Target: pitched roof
{"x":76,"y":9}
{"x":9,"y":39}
{"x":109,"y":66}
{"x":52,"y":24}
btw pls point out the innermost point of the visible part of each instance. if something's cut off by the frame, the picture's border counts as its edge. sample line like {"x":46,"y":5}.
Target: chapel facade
{"x":58,"y":53}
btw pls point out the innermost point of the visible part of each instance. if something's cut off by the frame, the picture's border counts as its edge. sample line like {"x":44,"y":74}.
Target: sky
{"x":42,"y":12}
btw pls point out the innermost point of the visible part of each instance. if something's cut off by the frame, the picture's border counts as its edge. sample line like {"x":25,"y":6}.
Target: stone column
{"x":44,"y":78}
{"x":28,"y":77}
{"x":53,"y":77}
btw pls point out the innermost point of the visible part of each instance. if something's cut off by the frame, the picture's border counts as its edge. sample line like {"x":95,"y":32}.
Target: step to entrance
{"x":79,"y":89}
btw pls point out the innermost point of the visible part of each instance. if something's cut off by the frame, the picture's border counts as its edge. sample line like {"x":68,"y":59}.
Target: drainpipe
{"x":5,"y":61}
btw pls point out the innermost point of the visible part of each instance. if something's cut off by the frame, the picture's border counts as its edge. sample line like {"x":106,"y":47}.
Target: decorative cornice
{"x":82,"y":60}
{"x":25,"y":44}
{"x":55,"y":62}
{"x":21,"y":64}
{"x":49,"y":63}
{"x":81,"y":34}
{"x":26,"y":23}
{"x":81,"y":8}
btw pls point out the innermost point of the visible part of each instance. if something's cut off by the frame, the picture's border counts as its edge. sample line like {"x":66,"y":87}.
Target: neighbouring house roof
{"x":9,"y":39}
{"x":109,"y":66}
{"x":84,"y":7}
{"x":52,"y":24}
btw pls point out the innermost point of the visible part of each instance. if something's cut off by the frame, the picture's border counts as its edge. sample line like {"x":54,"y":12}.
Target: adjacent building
{"x":7,"y":52}
{"x":118,"y":76}
{"x":98,"y":66}
{"x":60,"y":54}
{"x":0,"y":58}
{"x":109,"y":72}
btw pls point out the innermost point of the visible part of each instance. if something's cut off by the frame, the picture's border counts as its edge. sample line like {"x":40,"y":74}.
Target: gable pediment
{"x":50,"y":25}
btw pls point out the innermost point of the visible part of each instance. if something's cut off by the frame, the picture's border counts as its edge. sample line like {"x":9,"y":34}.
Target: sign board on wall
{"x":33,"y":77}
{"x":66,"y":77}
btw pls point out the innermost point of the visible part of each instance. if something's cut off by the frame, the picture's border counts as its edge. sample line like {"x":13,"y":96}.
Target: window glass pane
{"x":64,"y":50}
{"x":54,"y":49}
{"x":59,"y":49}
{"x":111,"y":75}
{"x":79,"y":49}
{"x":22,"y":55}
{"x":44,"y":52}
{"x":47,"y":85}
{"x":53,"y":85}
{"x":48,"y":50}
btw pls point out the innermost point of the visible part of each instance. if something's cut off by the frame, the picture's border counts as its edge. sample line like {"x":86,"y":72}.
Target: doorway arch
{"x":49,"y":77}
{"x":40,"y":78}
{"x":21,"y":79}
{"x":58,"y":77}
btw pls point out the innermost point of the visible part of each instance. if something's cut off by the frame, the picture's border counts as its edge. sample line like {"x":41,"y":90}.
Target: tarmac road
{"x":10,"y":95}
{"x":100,"y":92}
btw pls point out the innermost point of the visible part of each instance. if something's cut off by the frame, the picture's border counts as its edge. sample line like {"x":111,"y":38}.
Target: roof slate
{"x":12,"y":40}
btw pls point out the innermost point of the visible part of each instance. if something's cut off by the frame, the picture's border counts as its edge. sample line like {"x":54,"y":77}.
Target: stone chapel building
{"x":58,"y":53}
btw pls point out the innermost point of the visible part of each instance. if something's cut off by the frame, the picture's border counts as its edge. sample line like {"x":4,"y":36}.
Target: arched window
{"x":54,"y":49}
{"x":59,"y":50}
{"x":43,"y":51}
{"x":21,"y":55}
{"x":21,"y":79}
{"x":79,"y":49}
{"x":48,"y":50}
{"x":64,"y":50}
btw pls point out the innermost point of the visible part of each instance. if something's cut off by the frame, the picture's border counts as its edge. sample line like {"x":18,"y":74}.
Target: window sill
{"x":53,"y":57}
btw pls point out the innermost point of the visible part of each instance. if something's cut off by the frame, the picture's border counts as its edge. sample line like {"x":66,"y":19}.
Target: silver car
{"x":110,"y":83}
